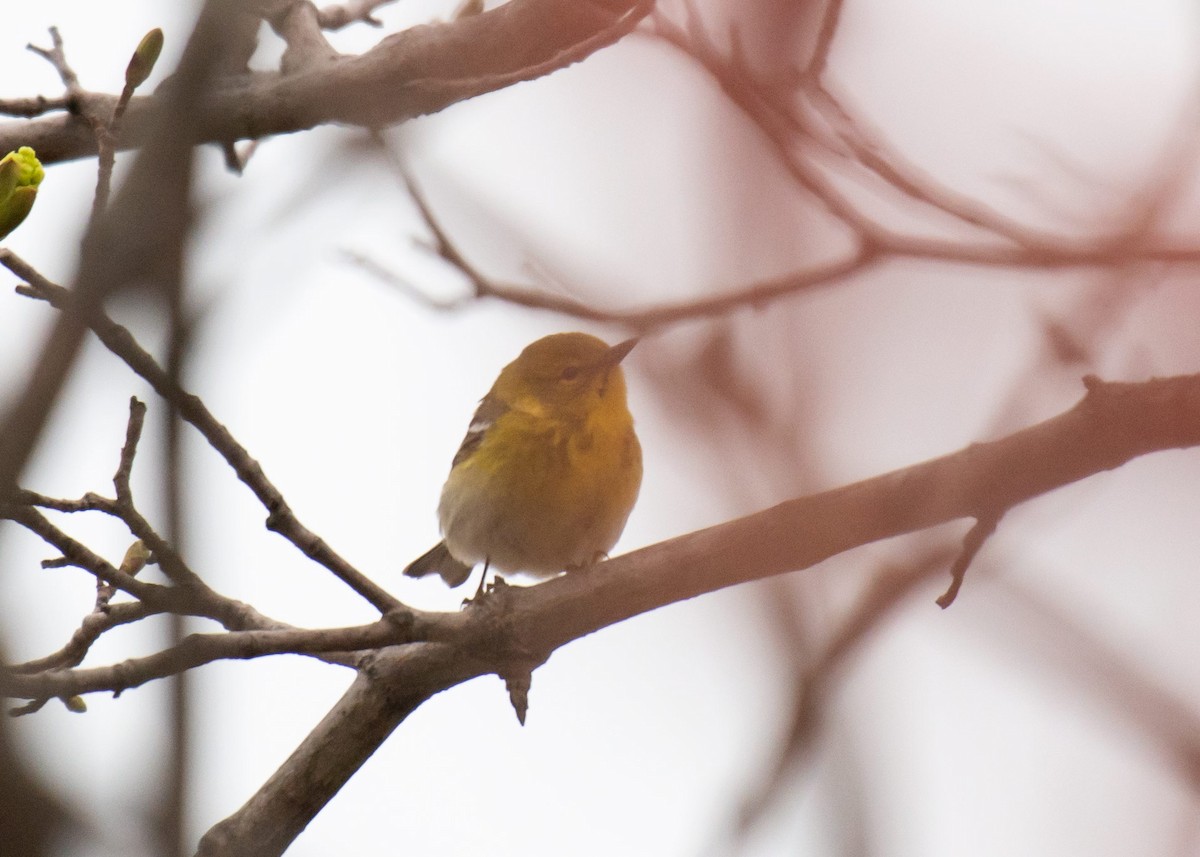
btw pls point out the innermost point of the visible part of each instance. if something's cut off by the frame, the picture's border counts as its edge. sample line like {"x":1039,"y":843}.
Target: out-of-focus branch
{"x":975,"y":539}
{"x":1072,"y":654}
{"x":807,"y":126}
{"x":829,"y":25}
{"x":843,"y":131}
{"x":889,"y":589}
{"x":338,"y":15}
{"x":641,"y":320}
{"x":418,"y":71}
{"x":871,"y":251}
{"x":482,"y":286}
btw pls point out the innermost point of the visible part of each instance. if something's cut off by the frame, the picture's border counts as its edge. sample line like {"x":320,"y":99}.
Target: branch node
{"x":133,"y":433}
{"x":402,"y":621}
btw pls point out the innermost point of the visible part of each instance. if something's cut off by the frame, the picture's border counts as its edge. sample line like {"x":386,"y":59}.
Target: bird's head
{"x":565,"y":375}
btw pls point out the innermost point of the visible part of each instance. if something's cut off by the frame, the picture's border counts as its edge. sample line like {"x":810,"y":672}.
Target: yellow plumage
{"x":550,"y":467}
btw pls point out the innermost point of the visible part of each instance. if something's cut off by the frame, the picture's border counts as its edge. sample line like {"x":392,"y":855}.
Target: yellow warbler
{"x":549,"y":470}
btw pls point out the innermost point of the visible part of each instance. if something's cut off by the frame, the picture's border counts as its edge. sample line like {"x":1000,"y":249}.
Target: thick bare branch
{"x":412,"y":73}
{"x":383,"y":695}
{"x":1110,"y":425}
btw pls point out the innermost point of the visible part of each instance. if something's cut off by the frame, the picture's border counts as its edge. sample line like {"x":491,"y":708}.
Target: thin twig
{"x":641,"y":320}
{"x":774,"y":112}
{"x":778,"y":127}
{"x":167,"y":557}
{"x":335,"y":17}
{"x":829,"y":26}
{"x":133,"y":433}
{"x":975,"y":538}
{"x":31,"y":707}
{"x":79,"y":555}
{"x":77,"y":98}
{"x":198,"y":649}
{"x":281,"y":518}
{"x":94,"y":625}
{"x":57,"y":57}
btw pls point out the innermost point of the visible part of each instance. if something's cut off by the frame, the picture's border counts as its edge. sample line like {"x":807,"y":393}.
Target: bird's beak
{"x":617,"y":353}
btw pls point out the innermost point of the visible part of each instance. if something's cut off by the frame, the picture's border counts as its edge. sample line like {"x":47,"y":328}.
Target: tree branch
{"x":829,"y":25}
{"x":804,"y":140}
{"x":337,"y":16}
{"x":975,"y":538}
{"x":817,"y":678}
{"x":94,"y":625}
{"x":32,"y":681}
{"x":396,"y":684}
{"x":281,"y":518}
{"x":80,"y":555}
{"x":872,"y":250}
{"x":1112,"y":424}
{"x":416,"y":72}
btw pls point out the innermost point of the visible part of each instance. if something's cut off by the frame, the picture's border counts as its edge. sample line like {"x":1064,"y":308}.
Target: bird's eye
{"x":570,"y":373}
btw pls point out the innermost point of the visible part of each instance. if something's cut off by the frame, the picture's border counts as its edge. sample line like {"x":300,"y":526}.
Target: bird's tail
{"x":437,"y":560}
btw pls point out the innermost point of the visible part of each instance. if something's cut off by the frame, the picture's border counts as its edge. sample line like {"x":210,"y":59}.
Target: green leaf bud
{"x":143,"y":59}
{"x":20,"y":174}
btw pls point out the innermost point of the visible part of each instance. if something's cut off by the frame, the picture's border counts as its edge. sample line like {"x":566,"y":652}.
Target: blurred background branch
{"x":792,"y":353}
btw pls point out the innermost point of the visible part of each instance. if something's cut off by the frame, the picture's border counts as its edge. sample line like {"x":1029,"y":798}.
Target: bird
{"x":548,"y":471}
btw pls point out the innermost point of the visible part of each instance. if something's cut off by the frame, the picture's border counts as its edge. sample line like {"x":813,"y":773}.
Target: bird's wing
{"x":490,"y":409}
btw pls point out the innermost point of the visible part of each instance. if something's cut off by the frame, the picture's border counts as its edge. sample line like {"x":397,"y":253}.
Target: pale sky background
{"x":640,"y":739}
